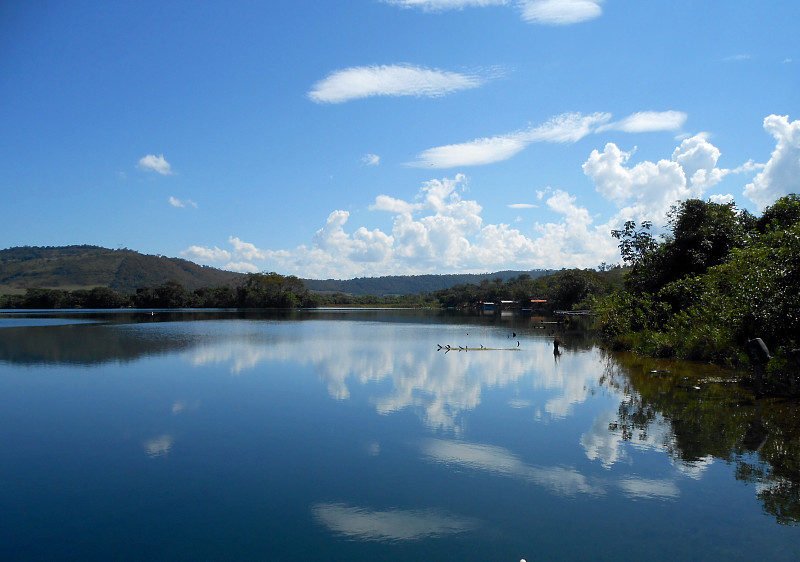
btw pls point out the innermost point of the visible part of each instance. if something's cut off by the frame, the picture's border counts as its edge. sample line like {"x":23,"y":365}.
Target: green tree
{"x":781,"y":215}
{"x":635,"y":244}
{"x":571,"y":288}
{"x":701,"y":235}
{"x":103,"y":297}
{"x":271,"y":290}
{"x":44,"y":298}
{"x":171,"y":295}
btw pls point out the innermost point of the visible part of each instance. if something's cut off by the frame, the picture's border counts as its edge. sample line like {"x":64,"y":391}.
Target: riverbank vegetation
{"x":718,"y":279}
{"x":568,"y":289}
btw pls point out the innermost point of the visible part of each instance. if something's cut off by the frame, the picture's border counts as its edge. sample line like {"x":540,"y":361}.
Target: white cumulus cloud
{"x":389,"y":80}
{"x":153,"y":163}
{"x":439,"y":231}
{"x":245,"y":250}
{"x":240,"y":259}
{"x":647,"y":190}
{"x":214,"y":254}
{"x":241,"y":267}
{"x":781,"y":175}
{"x":722,"y":199}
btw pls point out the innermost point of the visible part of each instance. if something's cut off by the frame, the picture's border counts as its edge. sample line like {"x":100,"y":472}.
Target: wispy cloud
{"x":474,"y":153}
{"x":544,"y":12}
{"x":565,"y":128}
{"x":441,"y":5}
{"x":153,"y":163}
{"x":738,"y":58}
{"x":390,"y":80}
{"x":648,"y":121}
{"x":560,"y":12}
{"x":522,"y":206}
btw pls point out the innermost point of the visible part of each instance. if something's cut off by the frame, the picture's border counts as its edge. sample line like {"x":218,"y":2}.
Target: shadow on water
{"x":711,"y":415}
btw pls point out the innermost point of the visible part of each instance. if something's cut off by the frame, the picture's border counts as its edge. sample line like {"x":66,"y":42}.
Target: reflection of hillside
{"x":82,"y":344}
{"x":88,"y":337}
{"x":696,"y":419}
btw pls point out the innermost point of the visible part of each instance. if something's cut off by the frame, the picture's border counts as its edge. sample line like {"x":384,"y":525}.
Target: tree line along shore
{"x":566,"y":289}
{"x":715,"y":280}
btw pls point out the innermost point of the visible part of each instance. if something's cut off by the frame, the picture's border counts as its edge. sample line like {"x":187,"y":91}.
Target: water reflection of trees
{"x":711,"y":418}
{"x":81,"y":344}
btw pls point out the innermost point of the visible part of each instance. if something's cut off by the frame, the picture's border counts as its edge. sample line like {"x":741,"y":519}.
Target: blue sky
{"x":370,"y":137}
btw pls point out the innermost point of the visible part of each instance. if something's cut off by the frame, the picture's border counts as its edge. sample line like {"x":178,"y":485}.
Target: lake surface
{"x":349,"y":435}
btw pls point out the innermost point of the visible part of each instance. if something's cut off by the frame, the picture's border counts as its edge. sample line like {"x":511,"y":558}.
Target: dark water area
{"x":351,"y":435}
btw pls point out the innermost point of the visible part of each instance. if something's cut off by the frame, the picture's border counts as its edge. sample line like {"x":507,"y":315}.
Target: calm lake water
{"x":349,"y":435}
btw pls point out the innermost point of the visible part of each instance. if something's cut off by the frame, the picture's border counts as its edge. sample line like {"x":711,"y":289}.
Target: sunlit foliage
{"x":720,"y":278}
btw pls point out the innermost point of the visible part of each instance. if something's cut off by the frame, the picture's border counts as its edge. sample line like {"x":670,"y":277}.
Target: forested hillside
{"x":411,"y":284}
{"x":86,"y":267}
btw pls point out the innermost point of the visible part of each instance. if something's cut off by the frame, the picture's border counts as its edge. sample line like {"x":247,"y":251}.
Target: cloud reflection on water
{"x":158,"y":446}
{"x":564,"y":481}
{"x":644,"y":488}
{"x":502,"y":462}
{"x":392,"y":525}
{"x":441,"y":387}
{"x":438,"y":386}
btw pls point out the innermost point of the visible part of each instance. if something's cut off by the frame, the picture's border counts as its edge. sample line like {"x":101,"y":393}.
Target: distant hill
{"x":124,"y":271}
{"x":86,"y":267}
{"x":411,"y":284}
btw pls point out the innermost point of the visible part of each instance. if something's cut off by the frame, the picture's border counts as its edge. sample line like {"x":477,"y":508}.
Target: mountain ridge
{"x":124,"y":270}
